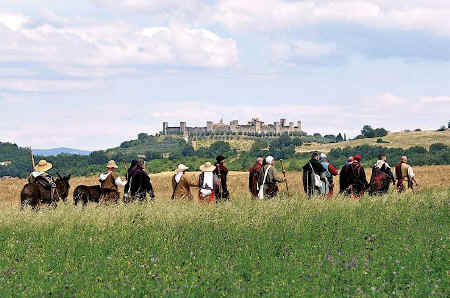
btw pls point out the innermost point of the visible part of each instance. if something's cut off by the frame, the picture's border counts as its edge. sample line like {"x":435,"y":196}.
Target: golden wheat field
{"x":427,"y":176}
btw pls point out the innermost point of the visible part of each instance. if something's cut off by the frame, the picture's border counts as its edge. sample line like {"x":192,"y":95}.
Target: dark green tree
{"x":367,"y":131}
{"x":98,"y":157}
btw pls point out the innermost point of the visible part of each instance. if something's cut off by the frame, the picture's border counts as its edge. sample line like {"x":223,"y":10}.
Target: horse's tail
{"x":29,"y":196}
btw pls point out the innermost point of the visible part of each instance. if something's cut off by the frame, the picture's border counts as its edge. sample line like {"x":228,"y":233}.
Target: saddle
{"x":44,"y":182}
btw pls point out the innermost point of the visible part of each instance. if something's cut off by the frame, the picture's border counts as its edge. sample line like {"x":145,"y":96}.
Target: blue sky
{"x":92,"y":73}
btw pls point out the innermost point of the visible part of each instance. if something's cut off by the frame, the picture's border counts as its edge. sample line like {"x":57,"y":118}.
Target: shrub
{"x":436,"y":147}
{"x":418,"y":149}
{"x":380,"y":132}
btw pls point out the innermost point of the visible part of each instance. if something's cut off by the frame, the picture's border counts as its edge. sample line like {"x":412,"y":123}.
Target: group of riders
{"x":263,"y":182}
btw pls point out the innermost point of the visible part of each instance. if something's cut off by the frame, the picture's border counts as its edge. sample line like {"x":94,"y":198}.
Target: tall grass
{"x":290,"y":246}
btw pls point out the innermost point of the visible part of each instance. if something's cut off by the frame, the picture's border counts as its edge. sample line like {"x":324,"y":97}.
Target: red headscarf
{"x":357,"y":157}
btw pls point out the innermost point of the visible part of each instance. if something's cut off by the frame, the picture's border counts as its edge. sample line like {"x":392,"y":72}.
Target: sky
{"x":89,"y":74}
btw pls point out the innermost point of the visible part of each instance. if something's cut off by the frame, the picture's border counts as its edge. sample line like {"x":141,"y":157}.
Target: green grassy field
{"x":389,"y":246}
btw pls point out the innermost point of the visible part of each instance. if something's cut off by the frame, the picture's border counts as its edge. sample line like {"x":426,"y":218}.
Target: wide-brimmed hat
{"x":43,"y":166}
{"x":181,"y":168}
{"x":112,"y":164}
{"x":220,"y":158}
{"x":323,"y":156}
{"x":207,"y":167}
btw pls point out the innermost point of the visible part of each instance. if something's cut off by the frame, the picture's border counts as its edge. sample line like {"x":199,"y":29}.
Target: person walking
{"x":130,"y":172}
{"x":344,"y":175}
{"x":357,"y":178}
{"x":208,"y":183}
{"x":109,"y":184}
{"x":330,"y":171}
{"x":222,"y":172}
{"x":140,"y":183}
{"x":313,"y":176}
{"x":381,"y":177}
{"x":181,"y":184}
{"x":253,"y":178}
{"x":269,"y":179}
{"x":404,"y":174}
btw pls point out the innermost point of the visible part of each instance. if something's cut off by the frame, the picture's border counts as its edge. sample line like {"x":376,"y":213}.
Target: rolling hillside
{"x":395,"y":140}
{"x":242,"y":144}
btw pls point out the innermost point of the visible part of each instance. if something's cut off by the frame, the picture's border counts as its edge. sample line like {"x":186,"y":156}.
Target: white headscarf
{"x":379,"y":164}
{"x":178,"y":176}
{"x":269,"y":159}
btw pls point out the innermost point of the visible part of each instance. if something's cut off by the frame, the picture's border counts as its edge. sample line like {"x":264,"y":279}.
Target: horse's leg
{"x":23,"y":203}
{"x":76,"y":198}
{"x":84,"y":198}
{"x":35,"y":204}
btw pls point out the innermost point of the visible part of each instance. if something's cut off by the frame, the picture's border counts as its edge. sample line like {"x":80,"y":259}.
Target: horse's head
{"x":63,"y":186}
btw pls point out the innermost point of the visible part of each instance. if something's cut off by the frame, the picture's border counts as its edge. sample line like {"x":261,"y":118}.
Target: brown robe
{"x":253,"y":179}
{"x":183,"y":190}
{"x":109,"y":189}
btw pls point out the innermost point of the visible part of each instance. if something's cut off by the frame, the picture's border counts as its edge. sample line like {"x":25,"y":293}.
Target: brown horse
{"x":35,"y":194}
{"x":86,"y":194}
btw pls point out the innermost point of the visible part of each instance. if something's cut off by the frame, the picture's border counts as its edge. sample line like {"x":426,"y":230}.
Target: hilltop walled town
{"x":253,"y":126}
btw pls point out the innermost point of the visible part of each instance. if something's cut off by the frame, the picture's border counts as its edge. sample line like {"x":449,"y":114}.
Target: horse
{"x":35,"y":194}
{"x":86,"y":194}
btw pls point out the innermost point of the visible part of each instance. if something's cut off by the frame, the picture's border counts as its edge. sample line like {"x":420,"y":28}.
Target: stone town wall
{"x":253,"y":126}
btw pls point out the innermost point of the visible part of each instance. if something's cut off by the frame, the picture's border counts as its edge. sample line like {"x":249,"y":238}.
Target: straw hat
{"x":207,"y":167}
{"x":43,"y":166}
{"x":112,"y":164}
{"x":181,"y":168}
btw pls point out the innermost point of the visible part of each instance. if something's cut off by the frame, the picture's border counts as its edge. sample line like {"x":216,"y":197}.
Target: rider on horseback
{"x":40,"y":176}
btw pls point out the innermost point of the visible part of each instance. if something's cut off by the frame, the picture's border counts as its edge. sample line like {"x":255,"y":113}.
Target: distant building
{"x":253,"y":126}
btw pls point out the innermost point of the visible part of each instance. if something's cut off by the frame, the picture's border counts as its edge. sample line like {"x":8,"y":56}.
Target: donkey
{"x":35,"y":194}
{"x":86,"y":194}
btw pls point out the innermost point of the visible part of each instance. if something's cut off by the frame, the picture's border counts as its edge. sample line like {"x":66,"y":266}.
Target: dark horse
{"x":35,"y":194}
{"x":86,"y":194}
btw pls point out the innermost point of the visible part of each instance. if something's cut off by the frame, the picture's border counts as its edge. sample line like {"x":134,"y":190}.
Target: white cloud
{"x":413,"y":109}
{"x":289,"y":53}
{"x":269,"y":15}
{"x":13,"y":21}
{"x":93,"y":49}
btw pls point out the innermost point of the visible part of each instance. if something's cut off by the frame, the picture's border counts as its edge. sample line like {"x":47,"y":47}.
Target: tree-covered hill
{"x":163,"y":153}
